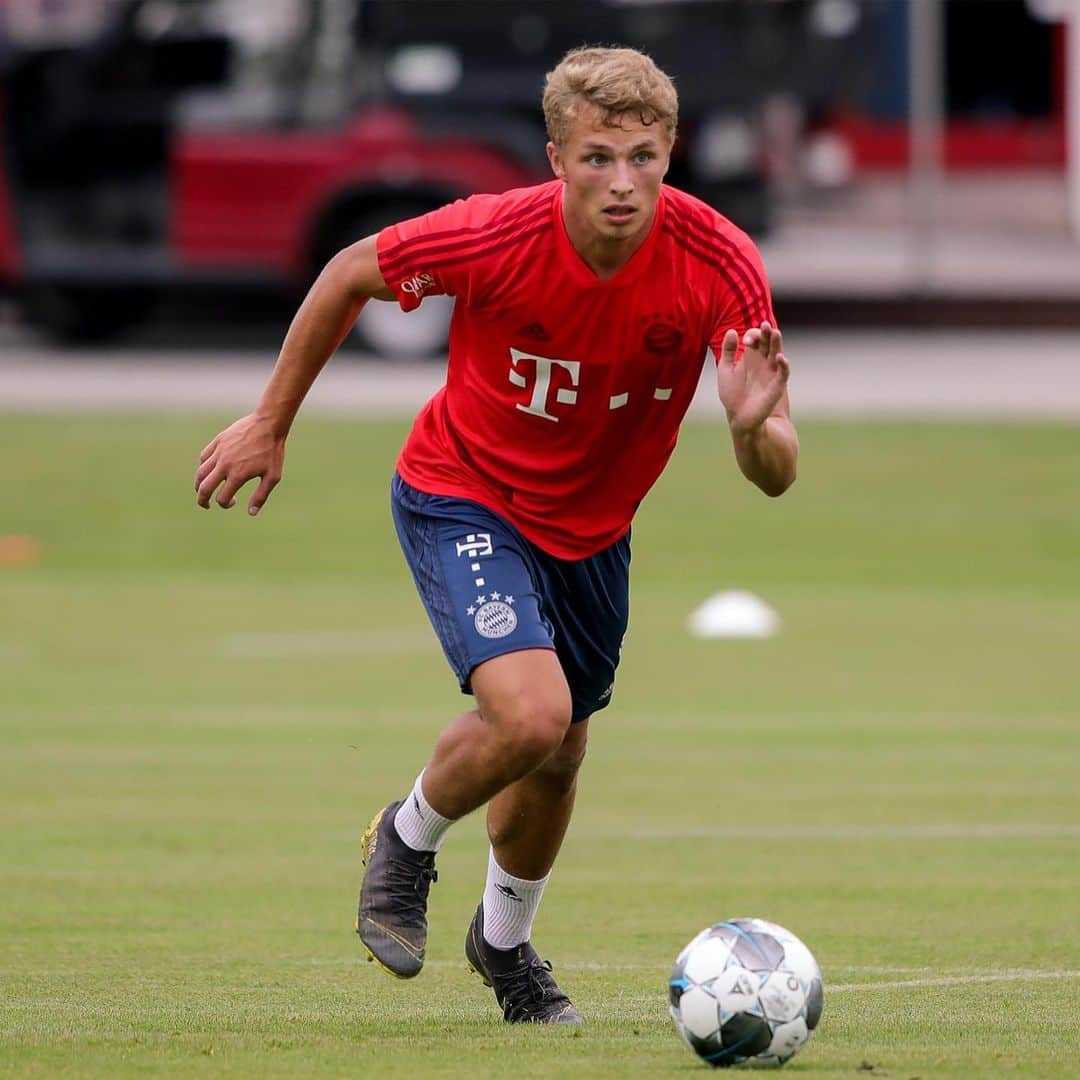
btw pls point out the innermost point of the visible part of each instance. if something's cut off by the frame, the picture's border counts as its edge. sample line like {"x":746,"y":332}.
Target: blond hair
{"x":618,"y":82}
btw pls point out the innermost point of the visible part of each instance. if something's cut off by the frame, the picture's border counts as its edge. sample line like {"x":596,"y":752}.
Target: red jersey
{"x":564,"y":393}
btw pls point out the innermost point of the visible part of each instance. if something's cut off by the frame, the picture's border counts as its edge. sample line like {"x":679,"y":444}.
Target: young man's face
{"x":612,"y":174}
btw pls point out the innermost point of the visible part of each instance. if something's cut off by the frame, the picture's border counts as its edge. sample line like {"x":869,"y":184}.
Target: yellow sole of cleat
{"x":373,"y":959}
{"x":473,"y":971}
{"x":369,"y":834}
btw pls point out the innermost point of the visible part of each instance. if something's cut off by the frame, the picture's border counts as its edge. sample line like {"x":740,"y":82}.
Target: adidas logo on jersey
{"x":534,"y":332}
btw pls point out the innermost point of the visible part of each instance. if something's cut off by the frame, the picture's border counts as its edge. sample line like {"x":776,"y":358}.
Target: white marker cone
{"x":734,"y":614}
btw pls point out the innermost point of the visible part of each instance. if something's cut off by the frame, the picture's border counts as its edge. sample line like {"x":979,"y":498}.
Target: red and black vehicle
{"x":148,"y":144}
{"x":169,"y":142}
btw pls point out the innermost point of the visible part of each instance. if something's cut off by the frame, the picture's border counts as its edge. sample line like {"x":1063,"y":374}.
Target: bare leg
{"x":527,"y":821}
{"x":522,"y":720}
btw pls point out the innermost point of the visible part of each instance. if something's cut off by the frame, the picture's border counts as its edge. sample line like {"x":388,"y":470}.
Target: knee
{"x":561,"y":768}
{"x":532,"y":722}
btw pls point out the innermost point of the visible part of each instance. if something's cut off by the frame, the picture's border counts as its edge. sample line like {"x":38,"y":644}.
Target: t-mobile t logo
{"x":475,"y":545}
{"x":539,"y":401}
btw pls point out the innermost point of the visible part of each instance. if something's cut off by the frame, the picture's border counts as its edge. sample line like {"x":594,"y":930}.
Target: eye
{"x":596,"y":159}
{"x":643,"y":157}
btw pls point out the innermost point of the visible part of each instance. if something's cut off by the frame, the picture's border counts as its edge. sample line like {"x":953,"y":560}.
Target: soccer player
{"x":584,"y":309}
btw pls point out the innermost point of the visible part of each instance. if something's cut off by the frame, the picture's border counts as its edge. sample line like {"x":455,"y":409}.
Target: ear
{"x":555,"y":157}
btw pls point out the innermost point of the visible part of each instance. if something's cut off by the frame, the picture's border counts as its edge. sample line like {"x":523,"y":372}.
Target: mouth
{"x":619,"y":214}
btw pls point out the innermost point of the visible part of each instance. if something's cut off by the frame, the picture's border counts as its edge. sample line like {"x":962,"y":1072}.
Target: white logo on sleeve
{"x":418,"y":284}
{"x":541,"y":387}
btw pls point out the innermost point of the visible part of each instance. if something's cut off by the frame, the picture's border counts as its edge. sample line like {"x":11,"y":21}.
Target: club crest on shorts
{"x":495,"y":618}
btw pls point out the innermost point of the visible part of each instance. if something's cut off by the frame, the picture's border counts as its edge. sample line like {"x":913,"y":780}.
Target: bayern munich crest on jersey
{"x":495,"y":619}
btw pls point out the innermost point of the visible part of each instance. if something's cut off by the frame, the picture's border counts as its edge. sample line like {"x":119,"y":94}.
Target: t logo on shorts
{"x":475,"y":545}
{"x":538,"y":403}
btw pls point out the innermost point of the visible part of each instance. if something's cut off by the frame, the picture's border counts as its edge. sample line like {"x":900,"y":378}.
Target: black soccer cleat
{"x":392,"y":915}
{"x":521,"y":980}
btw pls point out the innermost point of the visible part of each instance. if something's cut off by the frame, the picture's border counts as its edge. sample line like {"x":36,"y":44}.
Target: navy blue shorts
{"x":489,"y":591}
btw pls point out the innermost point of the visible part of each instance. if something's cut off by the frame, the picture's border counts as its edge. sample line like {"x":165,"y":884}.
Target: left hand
{"x":751,"y":389}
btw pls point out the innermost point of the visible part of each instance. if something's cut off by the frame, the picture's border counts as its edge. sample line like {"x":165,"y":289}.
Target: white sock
{"x":417,"y":824}
{"x":510,"y":905}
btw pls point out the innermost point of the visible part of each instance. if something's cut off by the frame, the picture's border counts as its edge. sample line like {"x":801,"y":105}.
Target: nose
{"x":622,"y":185}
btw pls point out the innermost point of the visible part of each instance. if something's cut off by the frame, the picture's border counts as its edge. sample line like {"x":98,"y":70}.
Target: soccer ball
{"x":745,"y":991}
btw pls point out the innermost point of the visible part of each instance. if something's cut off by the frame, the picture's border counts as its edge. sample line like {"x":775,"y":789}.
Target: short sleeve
{"x":430,"y":255}
{"x":743,"y":298}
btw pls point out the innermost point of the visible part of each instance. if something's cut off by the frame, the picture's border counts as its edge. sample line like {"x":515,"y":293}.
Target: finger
{"x":204,"y":470}
{"x":766,"y":338}
{"x":262,"y":493}
{"x":783,"y":368}
{"x":226,"y":497}
{"x":209,"y":448}
{"x":209,"y":485}
{"x":729,"y":347}
{"x":752,"y":338}
{"x":776,"y":343}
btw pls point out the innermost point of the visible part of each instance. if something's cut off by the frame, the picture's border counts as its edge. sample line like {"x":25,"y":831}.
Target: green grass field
{"x":199,"y":713}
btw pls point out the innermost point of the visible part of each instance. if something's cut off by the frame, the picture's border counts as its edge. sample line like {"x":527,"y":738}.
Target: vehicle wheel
{"x":83,"y":314}
{"x":383,"y":328}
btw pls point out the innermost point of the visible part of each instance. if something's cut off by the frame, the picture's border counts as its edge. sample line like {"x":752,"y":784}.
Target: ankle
{"x":417,"y":824}
{"x":510,"y":906}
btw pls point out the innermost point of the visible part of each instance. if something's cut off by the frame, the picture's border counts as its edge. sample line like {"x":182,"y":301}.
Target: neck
{"x":604,"y":255}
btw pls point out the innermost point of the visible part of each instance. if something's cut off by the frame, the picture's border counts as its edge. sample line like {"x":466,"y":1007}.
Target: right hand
{"x":248,"y":448}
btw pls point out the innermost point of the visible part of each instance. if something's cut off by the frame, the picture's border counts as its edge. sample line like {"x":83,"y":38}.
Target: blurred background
{"x":898,"y":160}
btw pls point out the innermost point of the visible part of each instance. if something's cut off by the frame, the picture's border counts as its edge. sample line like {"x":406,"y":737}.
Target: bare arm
{"x":754,"y":393}
{"x":321,"y":323}
{"x":254,"y":446}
